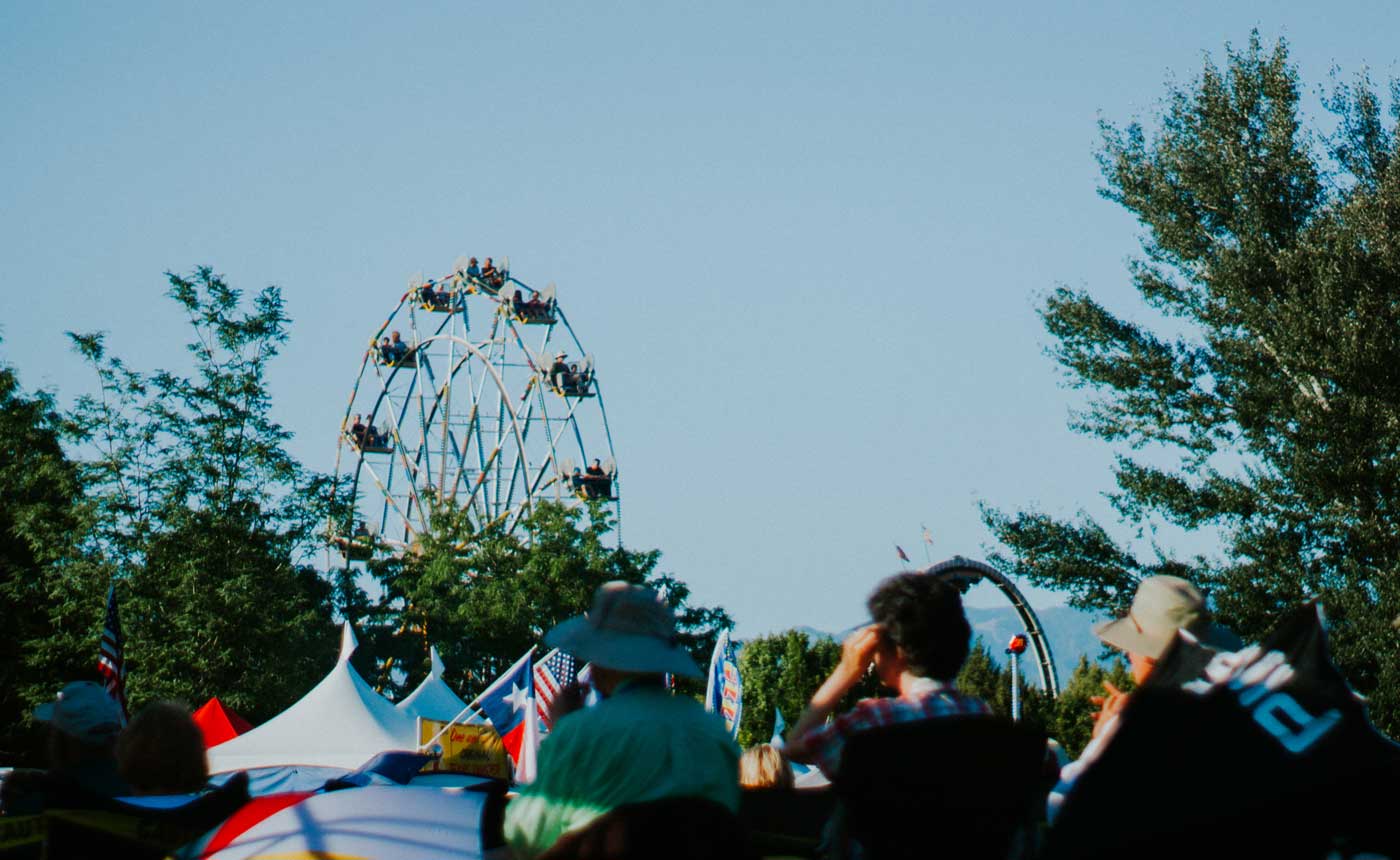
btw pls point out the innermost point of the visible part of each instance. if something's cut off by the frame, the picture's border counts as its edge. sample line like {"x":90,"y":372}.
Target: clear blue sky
{"x":805,"y":241}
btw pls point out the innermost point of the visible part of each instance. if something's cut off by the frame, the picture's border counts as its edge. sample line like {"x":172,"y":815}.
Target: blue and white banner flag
{"x":724,"y":694}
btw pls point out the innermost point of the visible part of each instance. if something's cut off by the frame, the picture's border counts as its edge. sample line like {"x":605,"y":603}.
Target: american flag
{"x":111,"y":663}
{"x":552,"y":673}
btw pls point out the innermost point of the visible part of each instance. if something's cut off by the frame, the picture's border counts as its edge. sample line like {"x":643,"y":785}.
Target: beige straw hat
{"x":1161,"y":606}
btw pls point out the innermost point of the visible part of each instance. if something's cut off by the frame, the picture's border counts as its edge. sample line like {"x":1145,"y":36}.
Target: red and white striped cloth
{"x":111,"y":661}
{"x":553,"y":672}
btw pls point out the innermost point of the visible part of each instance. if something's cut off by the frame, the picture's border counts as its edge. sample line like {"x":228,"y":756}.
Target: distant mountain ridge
{"x":1069,"y":631}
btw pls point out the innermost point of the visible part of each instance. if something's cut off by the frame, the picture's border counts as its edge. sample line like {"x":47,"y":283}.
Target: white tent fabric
{"x":375,"y":822}
{"x":342,"y":722}
{"x":433,"y":699}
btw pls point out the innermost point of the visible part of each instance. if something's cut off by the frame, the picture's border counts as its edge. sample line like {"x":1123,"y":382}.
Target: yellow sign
{"x":470,"y":749}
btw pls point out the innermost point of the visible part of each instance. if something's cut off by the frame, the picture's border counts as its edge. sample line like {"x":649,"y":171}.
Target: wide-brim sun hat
{"x":83,"y":710}
{"x":628,"y":629}
{"x":1161,"y":606}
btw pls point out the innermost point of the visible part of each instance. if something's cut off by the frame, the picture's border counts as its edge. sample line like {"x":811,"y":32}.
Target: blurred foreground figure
{"x":677,"y":828}
{"x":917,"y":644}
{"x":162,"y":751}
{"x":1161,"y":606}
{"x":83,"y":722}
{"x":640,"y":743}
{"x":1263,"y":752}
{"x":764,"y":766}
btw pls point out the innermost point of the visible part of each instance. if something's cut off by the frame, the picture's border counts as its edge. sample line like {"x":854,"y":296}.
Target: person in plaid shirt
{"x":917,"y":644}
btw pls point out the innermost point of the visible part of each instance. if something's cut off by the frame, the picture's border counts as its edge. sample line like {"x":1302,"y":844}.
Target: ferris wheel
{"x":474,"y":396}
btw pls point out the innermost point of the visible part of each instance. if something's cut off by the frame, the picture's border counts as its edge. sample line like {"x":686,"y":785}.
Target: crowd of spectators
{"x":645,"y":772}
{"x":884,"y":757}
{"x":91,"y":754}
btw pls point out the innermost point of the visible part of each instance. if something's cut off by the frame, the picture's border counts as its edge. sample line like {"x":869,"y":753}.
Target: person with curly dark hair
{"x":162,"y":751}
{"x":916,"y":643}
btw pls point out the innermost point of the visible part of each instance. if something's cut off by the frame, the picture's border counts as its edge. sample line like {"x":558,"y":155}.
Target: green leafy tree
{"x":1072,"y":715}
{"x":983,"y":677}
{"x":203,"y":512}
{"x":1263,"y":403}
{"x":781,"y":672}
{"x":51,"y":592}
{"x":485,"y":597}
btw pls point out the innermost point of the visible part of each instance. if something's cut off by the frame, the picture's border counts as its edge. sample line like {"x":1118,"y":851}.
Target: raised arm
{"x":857,"y":653}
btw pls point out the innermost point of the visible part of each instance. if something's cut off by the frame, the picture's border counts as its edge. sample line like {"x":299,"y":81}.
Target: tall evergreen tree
{"x":1072,"y":723}
{"x":1264,"y":403}
{"x":983,"y":677}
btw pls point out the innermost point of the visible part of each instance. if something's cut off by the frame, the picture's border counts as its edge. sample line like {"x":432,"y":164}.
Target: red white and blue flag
{"x":554,"y":672}
{"x":724,"y":693}
{"x":111,"y":661}
{"x":509,"y":703}
{"x":899,"y":551}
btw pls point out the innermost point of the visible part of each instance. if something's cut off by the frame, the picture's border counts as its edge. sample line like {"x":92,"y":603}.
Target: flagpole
{"x":471,"y":706}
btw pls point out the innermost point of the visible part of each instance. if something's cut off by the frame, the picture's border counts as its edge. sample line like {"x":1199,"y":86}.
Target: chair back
{"x":967,"y":787}
{"x":786,"y":821}
{"x":679,"y":828}
{"x":80,"y":825}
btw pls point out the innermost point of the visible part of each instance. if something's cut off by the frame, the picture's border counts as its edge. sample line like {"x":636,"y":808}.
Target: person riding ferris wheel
{"x":474,"y":394}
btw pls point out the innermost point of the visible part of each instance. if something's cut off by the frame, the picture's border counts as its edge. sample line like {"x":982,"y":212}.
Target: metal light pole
{"x":1015,"y":648}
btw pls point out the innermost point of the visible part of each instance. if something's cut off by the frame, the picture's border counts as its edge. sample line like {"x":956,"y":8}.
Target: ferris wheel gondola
{"x":455,"y":409}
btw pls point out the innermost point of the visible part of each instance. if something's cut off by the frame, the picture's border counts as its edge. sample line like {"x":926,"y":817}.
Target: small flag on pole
{"x":111,"y":661}
{"x":899,"y":550}
{"x":928,"y":538}
{"x":509,"y":703}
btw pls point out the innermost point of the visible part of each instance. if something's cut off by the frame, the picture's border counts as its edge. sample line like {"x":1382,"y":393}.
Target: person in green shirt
{"x":640,"y":743}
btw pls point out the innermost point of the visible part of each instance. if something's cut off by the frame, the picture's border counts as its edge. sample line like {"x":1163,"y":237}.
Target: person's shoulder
{"x":691,"y":709}
{"x":581,"y":721}
{"x":863,"y":714}
{"x":646,"y":709}
{"x":962,"y":702}
{"x":872,"y":705}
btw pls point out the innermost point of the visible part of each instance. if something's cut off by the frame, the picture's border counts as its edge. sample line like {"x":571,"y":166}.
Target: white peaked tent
{"x":342,"y":722}
{"x":433,"y":699}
